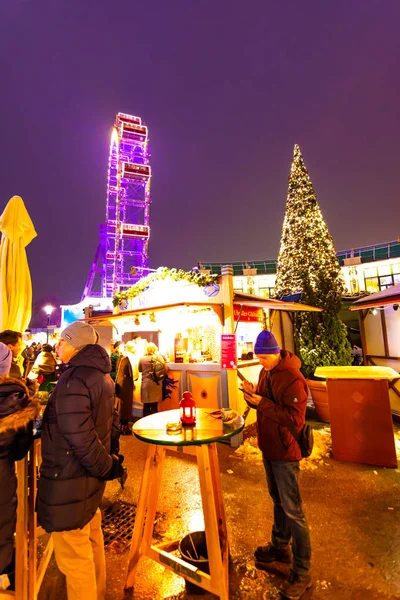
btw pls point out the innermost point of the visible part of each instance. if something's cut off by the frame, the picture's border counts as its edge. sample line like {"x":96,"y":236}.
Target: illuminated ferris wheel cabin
{"x":123,"y":248}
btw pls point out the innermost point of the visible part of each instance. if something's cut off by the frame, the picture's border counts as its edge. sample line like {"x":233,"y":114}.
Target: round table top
{"x":208,"y":429}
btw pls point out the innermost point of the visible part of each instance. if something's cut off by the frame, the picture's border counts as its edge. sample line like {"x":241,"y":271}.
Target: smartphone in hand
{"x":245,"y":399}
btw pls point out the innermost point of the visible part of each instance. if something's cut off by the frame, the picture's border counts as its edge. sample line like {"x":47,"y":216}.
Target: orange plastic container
{"x":360,"y":414}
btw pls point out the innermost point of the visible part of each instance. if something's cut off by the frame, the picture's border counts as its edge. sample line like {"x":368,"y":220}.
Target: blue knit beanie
{"x":266,"y":343}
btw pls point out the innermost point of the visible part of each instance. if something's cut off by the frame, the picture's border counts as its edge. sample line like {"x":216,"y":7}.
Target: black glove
{"x":119,"y":457}
{"x":116,"y":471}
{"x":114,"y":446}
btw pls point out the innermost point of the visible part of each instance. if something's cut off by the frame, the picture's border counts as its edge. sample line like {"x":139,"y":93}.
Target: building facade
{"x":367,"y":269}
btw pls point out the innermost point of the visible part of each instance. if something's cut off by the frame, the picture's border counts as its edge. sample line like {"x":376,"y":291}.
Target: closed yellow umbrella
{"x":15,"y":281}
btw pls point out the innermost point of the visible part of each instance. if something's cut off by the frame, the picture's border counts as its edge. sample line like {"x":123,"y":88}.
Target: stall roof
{"x":271,"y":303}
{"x":238,"y":298}
{"x":383,"y":298}
{"x":108,"y":319}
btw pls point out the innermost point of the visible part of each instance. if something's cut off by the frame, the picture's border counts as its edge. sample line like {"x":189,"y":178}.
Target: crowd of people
{"x":89,"y":408}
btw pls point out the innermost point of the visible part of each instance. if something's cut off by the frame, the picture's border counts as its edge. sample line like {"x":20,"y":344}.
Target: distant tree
{"x":307,"y":262}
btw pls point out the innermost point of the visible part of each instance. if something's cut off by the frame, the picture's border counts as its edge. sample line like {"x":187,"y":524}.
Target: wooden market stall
{"x":187,"y":322}
{"x":379,"y":317}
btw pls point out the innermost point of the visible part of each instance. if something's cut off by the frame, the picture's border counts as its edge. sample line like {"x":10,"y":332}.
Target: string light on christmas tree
{"x":307,"y":263}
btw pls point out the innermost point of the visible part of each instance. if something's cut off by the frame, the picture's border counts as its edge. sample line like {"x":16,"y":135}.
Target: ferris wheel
{"x":122,"y":256}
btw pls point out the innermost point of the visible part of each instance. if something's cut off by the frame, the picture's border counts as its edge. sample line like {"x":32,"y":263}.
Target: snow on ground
{"x":322,"y":450}
{"x":249,"y":450}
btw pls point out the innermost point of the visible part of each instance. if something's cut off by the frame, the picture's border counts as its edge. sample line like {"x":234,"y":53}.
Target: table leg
{"x":146,"y":509}
{"x":214,"y":518}
{"x":220,"y":510}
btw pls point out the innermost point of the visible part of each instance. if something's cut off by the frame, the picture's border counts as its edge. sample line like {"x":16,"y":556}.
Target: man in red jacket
{"x":280,"y":398}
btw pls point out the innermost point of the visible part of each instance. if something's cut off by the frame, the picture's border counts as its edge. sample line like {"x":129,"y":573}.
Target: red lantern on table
{"x":188,"y":409}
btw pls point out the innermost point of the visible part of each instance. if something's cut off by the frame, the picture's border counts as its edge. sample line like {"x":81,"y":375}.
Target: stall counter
{"x":209,"y":385}
{"x":206,"y":381}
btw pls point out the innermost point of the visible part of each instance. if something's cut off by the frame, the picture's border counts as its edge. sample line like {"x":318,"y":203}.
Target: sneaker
{"x":269,"y":553}
{"x":295,"y":586}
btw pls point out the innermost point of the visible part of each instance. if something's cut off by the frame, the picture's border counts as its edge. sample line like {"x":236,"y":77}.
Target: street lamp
{"x":48,"y":309}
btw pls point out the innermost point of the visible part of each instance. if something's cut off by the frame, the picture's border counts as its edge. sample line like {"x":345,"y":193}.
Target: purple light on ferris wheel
{"x":128,"y":203}
{"x":125,"y":235}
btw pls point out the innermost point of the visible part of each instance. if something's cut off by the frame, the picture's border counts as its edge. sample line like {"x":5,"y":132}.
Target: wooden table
{"x":204,"y":435}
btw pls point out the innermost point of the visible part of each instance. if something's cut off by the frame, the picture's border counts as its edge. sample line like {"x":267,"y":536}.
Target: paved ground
{"x":353,"y":511}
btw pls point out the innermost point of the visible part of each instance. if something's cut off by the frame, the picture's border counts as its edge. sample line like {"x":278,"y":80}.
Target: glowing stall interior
{"x":186,"y":321}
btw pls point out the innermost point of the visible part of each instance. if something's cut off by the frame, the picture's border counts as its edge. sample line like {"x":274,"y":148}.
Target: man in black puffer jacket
{"x":80,"y":432}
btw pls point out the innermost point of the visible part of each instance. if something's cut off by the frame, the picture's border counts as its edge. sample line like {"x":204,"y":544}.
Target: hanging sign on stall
{"x":247,"y":313}
{"x":228,"y":351}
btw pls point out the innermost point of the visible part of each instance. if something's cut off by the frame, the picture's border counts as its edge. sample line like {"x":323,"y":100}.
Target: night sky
{"x":226,"y":88}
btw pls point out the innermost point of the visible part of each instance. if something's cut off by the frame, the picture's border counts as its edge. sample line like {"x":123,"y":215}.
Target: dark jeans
{"x":149,"y":408}
{"x":289,"y":519}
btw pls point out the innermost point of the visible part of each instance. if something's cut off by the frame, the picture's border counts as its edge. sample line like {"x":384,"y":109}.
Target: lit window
{"x":372,"y":284}
{"x":385,"y":281}
{"x":396,"y":268}
{"x":370,"y":273}
{"x":384,"y":270}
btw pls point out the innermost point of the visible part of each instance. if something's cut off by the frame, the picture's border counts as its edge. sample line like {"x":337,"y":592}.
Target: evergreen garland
{"x":199,"y":279}
{"x":307,"y":262}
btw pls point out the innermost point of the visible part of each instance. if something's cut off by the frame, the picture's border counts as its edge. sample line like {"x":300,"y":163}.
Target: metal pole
{"x":48,"y":325}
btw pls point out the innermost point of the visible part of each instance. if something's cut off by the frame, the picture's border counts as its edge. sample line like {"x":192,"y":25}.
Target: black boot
{"x":269,"y":553}
{"x":295,"y":586}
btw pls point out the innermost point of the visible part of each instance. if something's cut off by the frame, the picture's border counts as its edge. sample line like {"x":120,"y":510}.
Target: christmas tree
{"x":307,"y":263}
